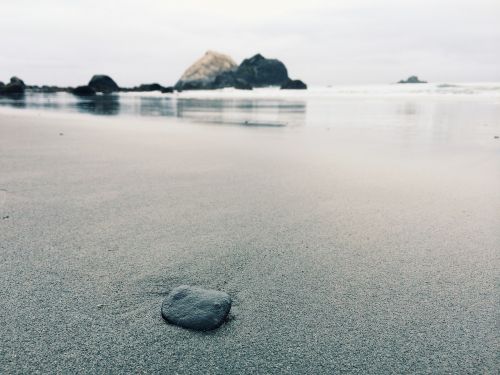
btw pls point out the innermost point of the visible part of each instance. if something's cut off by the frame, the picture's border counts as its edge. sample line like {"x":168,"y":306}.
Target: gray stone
{"x":196,"y":308}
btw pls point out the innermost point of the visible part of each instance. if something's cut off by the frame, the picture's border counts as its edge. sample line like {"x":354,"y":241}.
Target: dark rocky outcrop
{"x":16,"y":86}
{"x":259,"y":71}
{"x":196,"y":308}
{"x":294,"y":84}
{"x":17,"y":81}
{"x":84,"y":91}
{"x":217,"y":71}
{"x":103,"y":83}
{"x":52,"y":89}
{"x":167,"y":90}
{"x":412,"y":79}
{"x":150,"y":87}
{"x":147,"y":87}
{"x":48,"y":89}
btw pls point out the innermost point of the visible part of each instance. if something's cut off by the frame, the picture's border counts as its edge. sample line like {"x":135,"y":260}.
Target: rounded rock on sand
{"x":196,"y":308}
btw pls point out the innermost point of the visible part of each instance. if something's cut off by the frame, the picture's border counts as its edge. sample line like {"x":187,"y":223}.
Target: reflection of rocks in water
{"x":156,"y":107}
{"x":245,"y":112}
{"x":99,"y":105}
{"x":229,"y":111}
{"x":17,"y":100}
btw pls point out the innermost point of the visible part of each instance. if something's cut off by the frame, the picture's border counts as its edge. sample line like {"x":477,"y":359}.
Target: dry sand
{"x":371,"y":251}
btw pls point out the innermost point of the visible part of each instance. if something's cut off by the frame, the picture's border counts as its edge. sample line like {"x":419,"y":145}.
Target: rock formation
{"x":167,"y":90}
{"x":150,"y":87}
{"x":216,"y":71}
{"x":16,"y":86}
{"x":294,"y":84}
{"x":103,"y":83}
{"x":412,"y":79}
{"x":202,"y":74}
{"x":260,"y":72}
{"x":84,"y":91}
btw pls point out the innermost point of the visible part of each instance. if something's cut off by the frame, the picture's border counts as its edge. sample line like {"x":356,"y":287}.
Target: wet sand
{"x":346,"y":250}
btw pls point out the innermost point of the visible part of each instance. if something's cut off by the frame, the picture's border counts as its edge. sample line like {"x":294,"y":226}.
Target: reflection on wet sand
{"x":246,"y":112}
{"x":100,"y":105}
{"x":231,"y":111}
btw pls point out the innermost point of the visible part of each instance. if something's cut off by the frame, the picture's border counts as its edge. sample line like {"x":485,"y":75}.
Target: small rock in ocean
{"x":83,"y":91}
{"x":196,"y":308}
{"x":103,"y":83}
{"x":294,"y":84}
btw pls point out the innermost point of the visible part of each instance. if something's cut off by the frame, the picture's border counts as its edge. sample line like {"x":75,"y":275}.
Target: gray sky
{"x":320,"y":41}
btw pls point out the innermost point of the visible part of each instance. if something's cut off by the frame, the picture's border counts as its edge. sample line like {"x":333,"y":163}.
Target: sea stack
{"x":103,"y":83}
{"x":216,"y":71}
{"x":412,"y":79}
{"x":202,"y":74}
{"x":260,"y":72}
{"x":16,"y":86}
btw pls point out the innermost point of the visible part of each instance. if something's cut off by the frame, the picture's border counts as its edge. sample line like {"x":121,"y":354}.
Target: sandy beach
{"x":368,"y":245}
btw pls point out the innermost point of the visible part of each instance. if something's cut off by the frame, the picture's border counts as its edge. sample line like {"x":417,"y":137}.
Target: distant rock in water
{"x":145,"y":87}
{"x":17,"y":81}
{"x":196,"y":308}
{"x":294,"y":84}
{"x":260,"y":72}
{"x":167,"y":90}
{"x":202,"y":74}
{"x":217,"y":71}
{"x":47,"y":89}
{"x":84,"y":91}
{"x":14,"y":87}
{"x":103,"y":83}
{"x":412,"y":79}
{"x":150,"y":87}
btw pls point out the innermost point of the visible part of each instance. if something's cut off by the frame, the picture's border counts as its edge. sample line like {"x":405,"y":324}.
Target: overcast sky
{"x":320,"y":41}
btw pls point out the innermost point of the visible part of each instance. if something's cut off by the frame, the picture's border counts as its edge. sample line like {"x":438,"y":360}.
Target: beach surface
{"x":369,"y":245}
